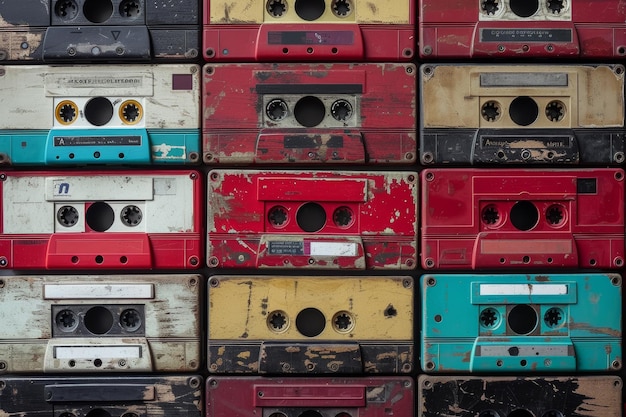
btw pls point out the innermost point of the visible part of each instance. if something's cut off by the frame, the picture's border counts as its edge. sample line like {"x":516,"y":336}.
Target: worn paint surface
{"x":167,"y":330}
{"x":569,"y":396}
{"x":310,"y":324}
{"x":517,"y":323}
{"x":346,"y":219}
{"x":379,"y":100}
{"x":496,"y":218}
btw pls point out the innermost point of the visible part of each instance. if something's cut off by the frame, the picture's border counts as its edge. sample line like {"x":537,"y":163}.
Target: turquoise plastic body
{"x":521,"y":323}
{"x":100,"y":146}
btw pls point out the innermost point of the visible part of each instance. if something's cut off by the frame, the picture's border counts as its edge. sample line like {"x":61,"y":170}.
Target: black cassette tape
{"x":99,"y":30}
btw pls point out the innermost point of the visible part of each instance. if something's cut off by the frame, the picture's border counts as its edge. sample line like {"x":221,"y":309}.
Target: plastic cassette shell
{"x":293,"y":396}
{"x":124,"y":323}
{"x":514,"y":114}
{"x":309,"y":113}
{"x":115,"y":31}
{"x":148,"y":396}
{"x":456,"y":396}
{"x":310,"y":325}
{"x":510,"y":29}
{"x":522,"y":218}
{"x":312,"y":219}
{"x":249,"y":30}
{"x":102,"y":219}
{"x":521,"y":323}
{"x":99,"y":114}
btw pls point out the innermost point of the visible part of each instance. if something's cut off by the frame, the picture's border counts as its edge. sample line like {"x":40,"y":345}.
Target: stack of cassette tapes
{"x":312,"y":208}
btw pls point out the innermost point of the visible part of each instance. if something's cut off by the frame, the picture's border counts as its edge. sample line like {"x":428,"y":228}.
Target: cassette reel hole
{"x":67,"y":216}
{"x":130,"y":320}
{"x":523,"y":110}
{"x":278,"y":216}
{"x":524,"y":8}
{"x":555,"y":111}
{"x":343,"y":217}
{"x":98,"y":412}
{"x":490,"y":7}
{"x":524,"y":215}
{"x":100,"y":216}
{"x":98,"y":320}
{"x":276,"y":110}
{"x":309,"y":111}
{"x":555,"y":215}
{"x":66,"y":9}
{"x":98,"y":111}
{"x":131,"y":112}
{"x":98,"y":11}
{"x":276,"y":8}
{"x":66,"y":321}
{"x":310,"y":9}
{"x":555,"y":7}
{"x":491,"y":111}
{"x":130,"y":8}
{"x":522,"y":319}
{"x":341,"y":8}
{"x":554,"y":317}
{"x":343,"y":322}
{"x":131,"y":215}
{"x":490,"y":215}
{"x":66,"y":112}
{"x":311,"y":217}
{"x":277,"y":321}
{"x":489,"y":318}
{"x":341,"y":110}
{"x":310,"y":322}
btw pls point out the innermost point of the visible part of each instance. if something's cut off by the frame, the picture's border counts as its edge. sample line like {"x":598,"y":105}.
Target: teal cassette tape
{"x":516,"y":323}
{"x":99,"y":114}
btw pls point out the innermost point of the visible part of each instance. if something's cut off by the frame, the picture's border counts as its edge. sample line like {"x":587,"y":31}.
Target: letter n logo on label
{"x":61,"y":188}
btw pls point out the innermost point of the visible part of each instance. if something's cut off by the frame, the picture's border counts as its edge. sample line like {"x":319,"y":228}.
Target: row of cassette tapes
{"x":313,"y":325}
{"x":299,"y":30}
{"x":470,"y":219}
{"x":185,"y":396}
{"x":312,"y":114}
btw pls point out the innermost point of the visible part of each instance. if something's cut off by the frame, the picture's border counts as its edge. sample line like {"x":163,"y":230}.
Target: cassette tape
{"x":99,"y":30}
{"x":127,"y":396}
{"x":511,"y":29}
{"x":543,"y":114}
{"x":488,"y":396}
{"x":305,"y":113}
{"x":320,"y":396}
{"x":312,"y":219}
{"x":99,"y":114}
{"x":516,"y":323}
{"x":522,"y":218}
{"x":129,"y":323}
{"x":317,"y":325}
{"x":309,"y":30}
{"x":101,"y":220}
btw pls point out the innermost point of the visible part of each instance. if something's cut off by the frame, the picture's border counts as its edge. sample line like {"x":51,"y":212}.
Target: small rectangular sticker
{"x":90,"y":352}
{"x":97,"y":291}
{"x":523,"y":289}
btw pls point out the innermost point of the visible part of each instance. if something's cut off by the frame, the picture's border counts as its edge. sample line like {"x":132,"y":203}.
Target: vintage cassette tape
{"x":511,"y":29}
{"x":99,"y":30}
{"x":101,"y":219}
{"x":330,"y":113}
{"x":99,"y":114}
{"x":129,"y":323}
{"x":307,"y":30}
{"x":320,"y":396}
{"x":488,"y":396}
{"x":522,"y":218}
{"x":127,"y":396}
{"x":320,"y":324}
{"x":502,"y":323}
{"x":545,"y":114}
{"x":312,"y":219}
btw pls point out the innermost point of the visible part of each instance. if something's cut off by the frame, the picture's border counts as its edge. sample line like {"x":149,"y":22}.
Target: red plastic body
{"x":106,"y":250}
{"x":381,"y":128}
{"x":316,"y":219}
{"x":499,"y":218}
{"x":454,"y":29}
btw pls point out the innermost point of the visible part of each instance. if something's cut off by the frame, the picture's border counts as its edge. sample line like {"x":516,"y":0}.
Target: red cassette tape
{"x":101,"y":219}
{"x":309,"y":30}
{"x":330,"y":113}
{"x":522,"y":28}
{"x":491,"y":218}
{"x":308,"y":397}
{"x":315,"y":219}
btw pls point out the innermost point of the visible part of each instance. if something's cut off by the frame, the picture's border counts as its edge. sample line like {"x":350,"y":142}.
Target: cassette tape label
{"x":502,"y":323}
{"x":78,"y":324}
{"x":95,"y":115}
{"x":307,"y":325}
{"x":289,"y":219}
{"x":309,"y":113}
